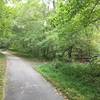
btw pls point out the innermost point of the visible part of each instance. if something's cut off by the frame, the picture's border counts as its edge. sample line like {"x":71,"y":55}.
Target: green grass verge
{"x":76,"y":81}
{"x":2,"y":75}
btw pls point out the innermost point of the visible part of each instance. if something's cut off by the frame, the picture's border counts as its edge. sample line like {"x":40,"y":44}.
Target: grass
{"x":2,"y":75}
{"x":75,"y":81}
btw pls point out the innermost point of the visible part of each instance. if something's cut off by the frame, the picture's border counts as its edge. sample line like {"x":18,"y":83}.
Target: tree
{"x":71,"y":21}
{"x":5,"y":24}
{"x":66,"y":32}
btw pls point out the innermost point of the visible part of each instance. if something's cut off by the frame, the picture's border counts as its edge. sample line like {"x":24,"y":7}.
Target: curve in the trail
{"x":24,"y":83}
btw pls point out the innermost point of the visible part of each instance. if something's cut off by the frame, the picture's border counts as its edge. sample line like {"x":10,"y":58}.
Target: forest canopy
{"x":64,"y":29}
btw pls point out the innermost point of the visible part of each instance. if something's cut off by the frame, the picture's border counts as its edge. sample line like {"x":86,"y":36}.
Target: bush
{"x":76,"y":80}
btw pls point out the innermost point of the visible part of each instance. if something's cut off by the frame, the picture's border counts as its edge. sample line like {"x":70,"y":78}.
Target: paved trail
{"x":24,"y":83}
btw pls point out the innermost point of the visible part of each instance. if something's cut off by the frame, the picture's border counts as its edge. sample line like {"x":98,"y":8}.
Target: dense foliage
{"x":6,"y":17}
{"x":69,"y":32}
{"x":57,"y":30}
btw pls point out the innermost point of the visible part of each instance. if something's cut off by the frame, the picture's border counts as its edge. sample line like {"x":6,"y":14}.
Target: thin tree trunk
{"x":70,"y":53}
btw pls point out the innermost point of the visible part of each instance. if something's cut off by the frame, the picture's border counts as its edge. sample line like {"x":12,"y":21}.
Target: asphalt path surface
{"x":24,"y":83}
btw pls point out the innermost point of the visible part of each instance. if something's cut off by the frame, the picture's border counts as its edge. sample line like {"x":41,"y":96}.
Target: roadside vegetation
{"x":63,"y":32}
{"x":2,"y":75}
{"x":76,"y":81}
